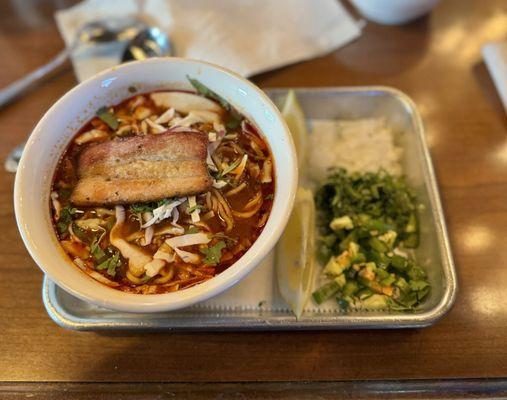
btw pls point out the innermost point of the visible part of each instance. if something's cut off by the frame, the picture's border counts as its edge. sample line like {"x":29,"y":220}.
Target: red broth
{"x":230,"y":216}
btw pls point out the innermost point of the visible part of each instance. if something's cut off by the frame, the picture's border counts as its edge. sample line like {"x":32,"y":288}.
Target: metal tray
{"x":434,"y":252}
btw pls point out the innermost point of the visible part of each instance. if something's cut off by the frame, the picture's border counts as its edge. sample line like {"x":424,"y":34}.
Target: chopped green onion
{"x":325,"y":292}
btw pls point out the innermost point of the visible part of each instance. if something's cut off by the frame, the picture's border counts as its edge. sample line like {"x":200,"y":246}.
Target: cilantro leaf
{"x":108,"y":118}
{"x":95,"y":249}
{"x":190,"y":210}
{"x":213,"y":254}
{"x":138,"y":208}
{"x":79,"y":232}
{"x":234,"y":119}
{"x":111,"y":264}
{"x":65,"y":219}
{"x":229,"y":168}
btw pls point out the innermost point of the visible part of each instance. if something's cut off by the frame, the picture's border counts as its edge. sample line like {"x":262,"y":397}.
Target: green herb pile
{"x":366,"y":222}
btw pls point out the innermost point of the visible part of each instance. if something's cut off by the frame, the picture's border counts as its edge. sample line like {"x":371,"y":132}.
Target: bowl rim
{"x":130,"y":302}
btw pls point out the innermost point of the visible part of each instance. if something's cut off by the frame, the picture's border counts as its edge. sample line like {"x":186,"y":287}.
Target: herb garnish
{"x":228,"y":169}
{"x":190,"y":210}
{"x":111,"y":264}
{"x":235,"y":117}
{"x":137,"y":208}
{"x":365,"y":220}
{"x":95,"y":249}
{"x":213,"y":254}
{"x":108,"y":118}
{"x":192,"y":229}
{"x":79,"y":232}
{"x":65,"y":219}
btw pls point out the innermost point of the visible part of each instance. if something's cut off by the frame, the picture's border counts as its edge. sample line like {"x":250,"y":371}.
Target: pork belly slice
{"x":142,"y":168}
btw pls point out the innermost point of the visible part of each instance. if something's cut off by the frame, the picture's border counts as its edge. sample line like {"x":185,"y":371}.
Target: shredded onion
{"x":101,"y":278}
{"x":238,"y":171}
{"x":56,"y":205}
{"x":91,"y":136}
{"x":219,"y":184}
{"x":189,"y":239}
{"x":188,"y":257}
{"x":166,"y":116}
{"x":267,"y":170}
{"x":194,"y":214}
{"x":236,"y":190}
{"x":254,"y":201}
{"x":155,"y":127}
{"x":247,"y":214}
{"x":154,"y":267}
{"x":136,"y":257}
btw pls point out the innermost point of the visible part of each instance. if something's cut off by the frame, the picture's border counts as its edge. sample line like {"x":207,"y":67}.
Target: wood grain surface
{"x":435,"y":60}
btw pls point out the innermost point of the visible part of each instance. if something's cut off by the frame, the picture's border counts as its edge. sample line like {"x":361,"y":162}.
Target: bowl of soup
{"x":155,"y":185}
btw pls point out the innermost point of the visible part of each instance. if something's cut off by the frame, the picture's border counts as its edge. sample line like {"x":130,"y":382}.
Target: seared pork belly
{"x":142,"y":168}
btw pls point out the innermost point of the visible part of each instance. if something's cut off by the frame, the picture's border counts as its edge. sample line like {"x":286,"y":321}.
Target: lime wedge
{"x":294,"y":257}
{"x":295,"y":119}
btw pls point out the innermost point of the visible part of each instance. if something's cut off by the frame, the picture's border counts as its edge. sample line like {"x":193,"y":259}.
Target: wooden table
{"x":436,"y":61}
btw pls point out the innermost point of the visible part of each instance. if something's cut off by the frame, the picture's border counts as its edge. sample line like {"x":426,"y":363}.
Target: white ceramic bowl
{"x":56,"y":129}
{"x":393,"y":12}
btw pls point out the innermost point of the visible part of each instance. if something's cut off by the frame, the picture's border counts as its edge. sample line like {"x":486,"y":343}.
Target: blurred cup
{"x":393,"y":12}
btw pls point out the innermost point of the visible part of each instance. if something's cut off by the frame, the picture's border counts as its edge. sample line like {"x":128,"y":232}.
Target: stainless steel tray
{"x":434,"y":252}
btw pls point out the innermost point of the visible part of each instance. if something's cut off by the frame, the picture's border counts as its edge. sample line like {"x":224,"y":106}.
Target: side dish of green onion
{"x":368,"y":223}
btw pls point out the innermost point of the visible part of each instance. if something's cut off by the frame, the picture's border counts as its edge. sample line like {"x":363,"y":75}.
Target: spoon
{"x":102,"y":31}
{"x":149,"y":42}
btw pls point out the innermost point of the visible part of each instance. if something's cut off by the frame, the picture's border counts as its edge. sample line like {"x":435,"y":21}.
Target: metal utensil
{"x":150,"y":42}
{"x":103,"y":31}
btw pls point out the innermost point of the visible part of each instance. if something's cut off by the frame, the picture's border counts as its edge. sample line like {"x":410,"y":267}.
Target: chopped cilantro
{"x":111,"y":264}
{"x":137,"y":208}
{"x":228,"y":168}
{"x":269,"y":197}
{"x":65,"y":220}
{"x":190,"y":210}
{"x":192,"y":229}
{"x":79,"y":232}
{"x":234,"y":118}
{"x":95,"y":249}
{"x":108,"y":118}
{"x":213,"y":254}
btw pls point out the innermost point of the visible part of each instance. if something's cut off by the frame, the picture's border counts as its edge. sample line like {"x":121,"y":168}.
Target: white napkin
{"x":495,"y":58}
{"x":246,"y":36}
